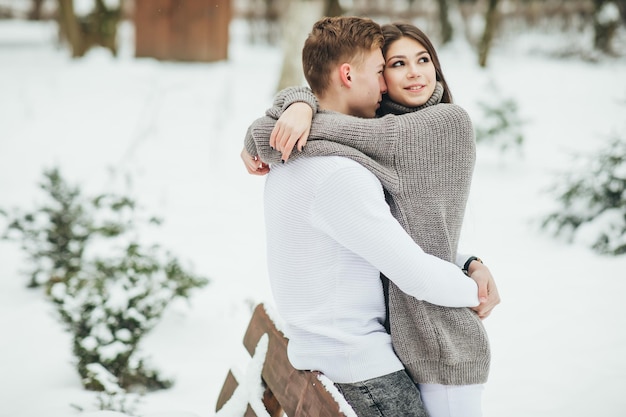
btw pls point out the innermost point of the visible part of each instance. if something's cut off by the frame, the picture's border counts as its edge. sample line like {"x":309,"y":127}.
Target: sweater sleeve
{"x":265,"y":125}
{"x":350,"y":208}
{"x":288,"y":96}
{"x":375,"y":138}
{"x":257,"y":140}
{"x":461,"y":258}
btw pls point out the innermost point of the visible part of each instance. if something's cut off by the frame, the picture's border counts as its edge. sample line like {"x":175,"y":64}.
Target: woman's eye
{"x":424,"y":60}
{"x":397,"y":64}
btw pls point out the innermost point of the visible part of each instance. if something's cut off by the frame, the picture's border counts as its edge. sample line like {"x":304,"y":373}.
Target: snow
{"x":170,"y":134}
{"x":250,"y":389}
{"x":344,"y":407}
{"x":609,"y":13}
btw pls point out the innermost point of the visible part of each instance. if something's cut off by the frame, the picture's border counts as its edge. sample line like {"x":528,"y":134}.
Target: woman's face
{"x":409,"y":73}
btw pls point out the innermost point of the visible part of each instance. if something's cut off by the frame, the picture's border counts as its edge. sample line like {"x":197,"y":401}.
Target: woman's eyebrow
{"x":424,"y":52}
{"x":396,"y":56}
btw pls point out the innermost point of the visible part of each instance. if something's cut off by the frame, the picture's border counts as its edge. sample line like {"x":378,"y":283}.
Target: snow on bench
{"x":271,"y":386}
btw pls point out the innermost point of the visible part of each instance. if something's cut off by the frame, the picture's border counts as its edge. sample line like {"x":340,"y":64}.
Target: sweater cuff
{"x":461,"y":258}
{"x":249,"y":144}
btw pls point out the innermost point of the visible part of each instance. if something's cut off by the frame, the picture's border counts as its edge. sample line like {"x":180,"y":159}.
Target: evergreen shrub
{"x":108,"y":289}
{"x":500,"y":124}
{"x":592,"y":201}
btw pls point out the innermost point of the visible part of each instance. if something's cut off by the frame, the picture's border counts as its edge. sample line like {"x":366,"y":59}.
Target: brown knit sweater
{"x":424,"y":157}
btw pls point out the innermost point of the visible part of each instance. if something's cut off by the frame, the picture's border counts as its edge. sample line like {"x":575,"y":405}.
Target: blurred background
{"x":132,"y":248}
{"x":198,"y":30}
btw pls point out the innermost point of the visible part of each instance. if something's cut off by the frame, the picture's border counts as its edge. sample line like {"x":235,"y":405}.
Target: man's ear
{"x":344,"y":75}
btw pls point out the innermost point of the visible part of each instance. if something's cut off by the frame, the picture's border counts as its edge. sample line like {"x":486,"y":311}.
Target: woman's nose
{"x":412,"y":72}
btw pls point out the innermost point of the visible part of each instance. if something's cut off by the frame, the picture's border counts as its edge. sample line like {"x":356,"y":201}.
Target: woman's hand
{"x":292,"y":128}
{"x":487,"y":291}
{"x":253,"y":164}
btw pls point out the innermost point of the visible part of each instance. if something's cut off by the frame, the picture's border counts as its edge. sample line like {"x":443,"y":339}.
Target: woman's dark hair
{"x":394,"y":31}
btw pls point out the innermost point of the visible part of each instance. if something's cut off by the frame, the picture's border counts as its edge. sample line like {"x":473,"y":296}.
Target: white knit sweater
{"x":329,"y":233}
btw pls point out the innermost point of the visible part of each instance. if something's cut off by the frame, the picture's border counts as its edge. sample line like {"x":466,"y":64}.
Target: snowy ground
{"x":176,"y":130}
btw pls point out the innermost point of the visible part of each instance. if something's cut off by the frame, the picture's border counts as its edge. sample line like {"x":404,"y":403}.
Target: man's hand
{"x":292,"y":128}
{"x":487,"y":291}
{"x":253,"y":164}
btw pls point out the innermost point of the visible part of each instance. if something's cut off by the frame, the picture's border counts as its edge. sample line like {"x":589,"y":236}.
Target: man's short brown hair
{"x":334,"y":40}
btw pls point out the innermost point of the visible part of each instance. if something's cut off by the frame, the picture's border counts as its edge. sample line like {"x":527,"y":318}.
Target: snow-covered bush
{"x":111,"y":304}
{"x":55,"y":235}
{"x":500,"y":124}
{"x":112,"y":397}
{"x":592,"y":201}
{"x":108,"y":289}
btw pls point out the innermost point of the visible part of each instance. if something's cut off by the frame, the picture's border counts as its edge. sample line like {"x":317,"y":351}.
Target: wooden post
{"x":297,"y":393}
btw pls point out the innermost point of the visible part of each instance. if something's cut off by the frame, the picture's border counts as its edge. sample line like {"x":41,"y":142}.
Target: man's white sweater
{"x":329,"y":233}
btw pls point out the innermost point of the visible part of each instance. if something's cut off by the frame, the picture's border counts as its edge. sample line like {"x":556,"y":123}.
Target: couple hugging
{"x":363,"y":222}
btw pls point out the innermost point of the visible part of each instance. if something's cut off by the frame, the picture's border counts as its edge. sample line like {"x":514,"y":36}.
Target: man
{"x":330,"y":233}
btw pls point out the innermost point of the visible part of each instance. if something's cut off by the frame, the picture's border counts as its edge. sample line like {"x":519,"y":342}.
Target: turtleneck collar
{"x":390,"y":107}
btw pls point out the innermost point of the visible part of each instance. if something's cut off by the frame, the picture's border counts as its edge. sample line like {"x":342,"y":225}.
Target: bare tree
{"x":35,"y":10}
{"x":68,"y":26}
{"x":606,"y":20}
{"x":490,"y":27}
{"x":97,"y":28}
{"x":332,"y":8}
{"x":297,"y":23}
{"x":444,"y":21}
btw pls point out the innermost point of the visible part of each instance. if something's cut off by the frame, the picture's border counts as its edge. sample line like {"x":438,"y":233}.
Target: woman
{"x":425,"y":161}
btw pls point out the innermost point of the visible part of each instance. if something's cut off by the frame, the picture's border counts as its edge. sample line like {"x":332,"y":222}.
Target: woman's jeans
{"x":392,"y":395}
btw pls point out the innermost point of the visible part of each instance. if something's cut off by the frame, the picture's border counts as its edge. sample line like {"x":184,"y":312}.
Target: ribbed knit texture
{"x":329,"y":233}
{"x":425,"y":160}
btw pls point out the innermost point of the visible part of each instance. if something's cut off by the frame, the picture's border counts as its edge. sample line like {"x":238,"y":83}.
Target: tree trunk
{"x":444,"y":21}
{"x":35,"y":11}
{"x":68,"y":26}
{"x":606,"y":20}
{"x":332,"y":8}
{"x":297,"y":23}
{"x":490,"y":27}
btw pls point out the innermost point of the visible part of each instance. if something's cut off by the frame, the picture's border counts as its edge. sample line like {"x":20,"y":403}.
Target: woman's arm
{"x":300,"y":104}
{"x":379,"y":139}
{"x":290,"y":95}
{"x":293,"y":109}
{"x":376,"y":138}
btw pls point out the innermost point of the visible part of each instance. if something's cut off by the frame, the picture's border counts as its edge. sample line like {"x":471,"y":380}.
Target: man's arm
{"x":351,"y":209}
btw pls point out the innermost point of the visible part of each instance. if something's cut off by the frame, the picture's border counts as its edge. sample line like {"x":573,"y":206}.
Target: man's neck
{"x":331,"y":102}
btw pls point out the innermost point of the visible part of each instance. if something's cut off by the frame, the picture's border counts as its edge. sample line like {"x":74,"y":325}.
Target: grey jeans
{"x":392,"y":395}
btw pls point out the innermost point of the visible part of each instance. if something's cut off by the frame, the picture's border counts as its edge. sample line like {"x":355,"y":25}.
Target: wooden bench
{"x":287,"y":390}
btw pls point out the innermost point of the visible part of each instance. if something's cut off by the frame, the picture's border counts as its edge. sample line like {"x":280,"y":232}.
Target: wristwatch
{"x":469,"y":261}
